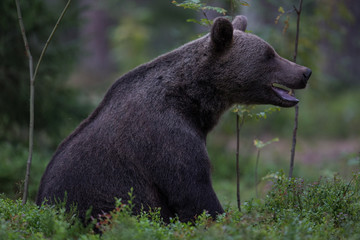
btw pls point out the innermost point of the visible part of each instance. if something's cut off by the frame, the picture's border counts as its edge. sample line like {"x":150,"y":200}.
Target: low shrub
{"x":293,"y":209}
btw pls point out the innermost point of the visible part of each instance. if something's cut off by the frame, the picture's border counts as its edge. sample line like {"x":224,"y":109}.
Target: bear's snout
{"x":307,"y":73}
{"x":306,"y":76}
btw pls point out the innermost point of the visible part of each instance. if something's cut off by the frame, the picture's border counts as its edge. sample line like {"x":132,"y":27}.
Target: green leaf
{"x":281,"y":9}
{"x":247,"y":112}
{"x":261,"y":115}
{"x":206,"y":22}
{"x":193,"y":20}
{"x":260,"y":144}
{"x":242,"y":3}
{"x":217,"y":9}
{"x":277,"y":176}
{"x":203,"y":21}
{"x":193,"y":5}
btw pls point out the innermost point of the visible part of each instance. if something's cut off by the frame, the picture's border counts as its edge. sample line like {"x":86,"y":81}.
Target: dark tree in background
{"x":54,"y":100}
{"x":330,"y":39}
{"x":120,"y":35}
{"x":340,"y":42}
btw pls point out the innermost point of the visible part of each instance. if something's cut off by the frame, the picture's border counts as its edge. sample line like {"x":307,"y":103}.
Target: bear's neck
{"x":200,"y":106}
{"x":193,"y":93}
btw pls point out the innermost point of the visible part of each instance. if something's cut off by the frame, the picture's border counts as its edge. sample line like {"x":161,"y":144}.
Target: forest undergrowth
{"x":328,"y":208}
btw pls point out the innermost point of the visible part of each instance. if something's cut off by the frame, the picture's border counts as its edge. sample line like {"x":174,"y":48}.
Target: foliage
{"x":286,"y":21}
{"x":327,"y":49}
{"x":201,"y":7}
{"x":144,"y":30}
{"x":327,"y":204}
{"x":259,"y":145}
{"x":18,"y":221}
{"x":246,"y":112}
{"x":12,"y":169}
{"x":198,"y":5}
{"x":50,"y":109}
{"x":293,"y":209}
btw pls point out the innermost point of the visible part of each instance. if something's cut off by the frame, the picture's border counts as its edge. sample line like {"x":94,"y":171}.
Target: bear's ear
{"x":240,"y":23}
{"x":221,"y":33}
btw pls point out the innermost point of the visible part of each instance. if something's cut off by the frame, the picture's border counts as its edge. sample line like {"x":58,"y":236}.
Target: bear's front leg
{"x":185,"y":183}
{"x":193,"y":200}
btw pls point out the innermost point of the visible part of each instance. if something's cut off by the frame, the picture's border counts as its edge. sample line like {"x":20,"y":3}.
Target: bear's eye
{"x":269,"y":54}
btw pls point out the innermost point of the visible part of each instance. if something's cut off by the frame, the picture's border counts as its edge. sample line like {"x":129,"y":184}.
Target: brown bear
{"x":149,"y":132}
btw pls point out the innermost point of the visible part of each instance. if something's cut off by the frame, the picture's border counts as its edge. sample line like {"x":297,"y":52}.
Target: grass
{"x":293,"y":209}
{"x":301,"y":208}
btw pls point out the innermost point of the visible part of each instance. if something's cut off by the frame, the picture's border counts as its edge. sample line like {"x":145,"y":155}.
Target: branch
{"x":292,"y":159}
{"x":31,"y":121}
{"x":298,"y":12}
{"x":256,"y":173}
{"x":23,"y":34}
{"x":50,"y":37}
{"x":238,"y":127}
{"x":32,"y":89}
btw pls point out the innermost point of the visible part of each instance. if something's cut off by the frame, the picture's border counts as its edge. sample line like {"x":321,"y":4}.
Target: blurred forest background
{"x":97,"y":41}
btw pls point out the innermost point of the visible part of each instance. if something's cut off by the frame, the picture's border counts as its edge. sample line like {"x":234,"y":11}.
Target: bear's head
{"x":249,"y":69}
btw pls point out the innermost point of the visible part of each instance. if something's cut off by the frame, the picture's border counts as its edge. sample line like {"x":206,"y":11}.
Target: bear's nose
{"x":307,"y":73}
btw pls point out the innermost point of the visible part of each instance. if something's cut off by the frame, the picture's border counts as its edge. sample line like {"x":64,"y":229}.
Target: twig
{"x":50,"y":36}
{"x":232,"y":7}
{"x":292,"y":160}
{"x":238,"y":127}
{"x":32,"y":89}
{"x":31,"y":124}
{"x":348,"y":186}
{"x":28,"y":53}
{"x":298,"y":12}
{"x":256,"y":173}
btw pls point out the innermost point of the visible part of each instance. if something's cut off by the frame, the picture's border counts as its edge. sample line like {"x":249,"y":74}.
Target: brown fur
{"x":149,"y":132}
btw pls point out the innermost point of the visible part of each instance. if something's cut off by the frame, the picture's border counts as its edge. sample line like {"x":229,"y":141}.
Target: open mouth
{"x":284,"y":92}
